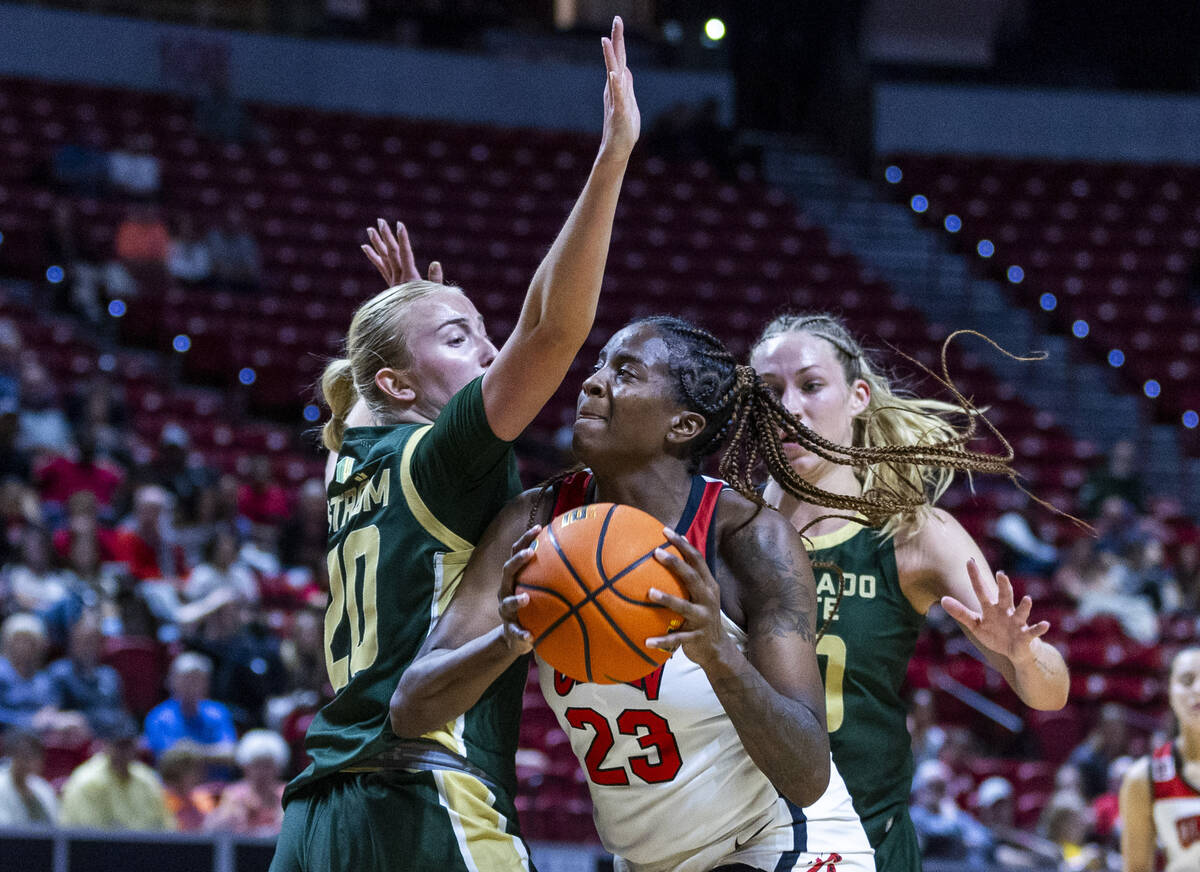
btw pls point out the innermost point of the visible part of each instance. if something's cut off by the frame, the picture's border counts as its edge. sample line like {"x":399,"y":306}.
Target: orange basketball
{"x":588,"y":584}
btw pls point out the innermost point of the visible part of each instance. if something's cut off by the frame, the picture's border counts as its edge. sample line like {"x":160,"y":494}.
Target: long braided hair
{"x":745,"y":416}
{"x":915,"y":437}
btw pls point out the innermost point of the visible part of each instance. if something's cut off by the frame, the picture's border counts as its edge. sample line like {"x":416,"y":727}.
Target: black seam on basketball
{"x":582,"y":626}
{"x":600,"y":543}
{"x":590,"y":597}
{"x":573,"y":611}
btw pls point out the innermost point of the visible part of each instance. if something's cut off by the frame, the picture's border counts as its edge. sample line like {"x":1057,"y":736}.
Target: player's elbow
{"x":404,"y":715}
{"x":808,"y":786}
{"x":1051,"y":696}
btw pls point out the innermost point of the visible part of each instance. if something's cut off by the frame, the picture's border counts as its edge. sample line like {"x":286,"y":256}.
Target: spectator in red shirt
{"x":144,"y":543}
{"x":263,"y":501}
{"x":63,"y":476}
{"x":83,"y":522}
{"x":142,"y":238}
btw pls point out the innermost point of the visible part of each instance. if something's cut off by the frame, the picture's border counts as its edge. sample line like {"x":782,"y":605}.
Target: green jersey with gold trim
{"x":864,"y":658}
{"x":406,"y":506}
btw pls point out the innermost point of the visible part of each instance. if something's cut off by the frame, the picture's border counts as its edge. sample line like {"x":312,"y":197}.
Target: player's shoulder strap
{"x":1165,"y":774}
{"x":573,"y":491}
{"x":697,"y":522}
{"x":428,"y":521}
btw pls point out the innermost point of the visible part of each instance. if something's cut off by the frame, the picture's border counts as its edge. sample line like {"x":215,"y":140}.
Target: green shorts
{"x":898,"y":849}
{"x":392,"y":821}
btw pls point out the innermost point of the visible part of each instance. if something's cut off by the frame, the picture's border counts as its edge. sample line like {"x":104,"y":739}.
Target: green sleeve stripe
{"x":416,"y":505}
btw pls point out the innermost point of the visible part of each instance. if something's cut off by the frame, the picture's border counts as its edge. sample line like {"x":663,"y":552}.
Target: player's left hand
{"x":999,"y":625}
{"x":392,"y":254}
{"x":701,"y":635}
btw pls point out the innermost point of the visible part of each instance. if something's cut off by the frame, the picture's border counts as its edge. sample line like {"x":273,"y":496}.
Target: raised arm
{"x":470,"y":647}
{"x":561,"y":303}
{"x":947,"y":566}
{"x":772,"y":693}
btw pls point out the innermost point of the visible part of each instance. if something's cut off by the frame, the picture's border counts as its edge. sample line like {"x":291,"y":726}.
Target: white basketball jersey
{"x":672,"y":786}
{"x":1176,"y":811}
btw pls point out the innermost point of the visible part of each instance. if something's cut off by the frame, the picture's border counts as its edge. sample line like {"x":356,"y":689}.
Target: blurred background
{"x":183,"y":189}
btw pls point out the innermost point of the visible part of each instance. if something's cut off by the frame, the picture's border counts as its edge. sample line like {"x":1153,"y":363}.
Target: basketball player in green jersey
{"x":891,"y":576}
{"x":408,"y":497}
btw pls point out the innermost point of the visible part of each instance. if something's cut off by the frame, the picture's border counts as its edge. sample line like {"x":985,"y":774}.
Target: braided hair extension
{"x":841,"y":591}
{"x":548,"y":485}
{"x":742,"y":411}
{"x":932,"y":448}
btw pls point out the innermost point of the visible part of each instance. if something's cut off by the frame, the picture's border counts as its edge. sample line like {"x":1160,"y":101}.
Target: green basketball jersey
{"x":406,"y":505}
{"x":864,"y":658}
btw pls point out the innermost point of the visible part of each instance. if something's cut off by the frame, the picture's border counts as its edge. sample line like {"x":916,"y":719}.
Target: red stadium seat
{"x":142,"y":665}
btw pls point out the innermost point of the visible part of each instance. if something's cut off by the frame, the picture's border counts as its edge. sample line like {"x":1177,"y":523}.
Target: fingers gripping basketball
{"x":588,"y":584}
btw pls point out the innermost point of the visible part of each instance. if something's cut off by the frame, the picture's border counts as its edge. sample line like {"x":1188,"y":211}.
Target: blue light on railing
{"x":181,"y":343}
{"x":1016,"y":275}
{"x":1081,"y":329}
{"x":1152,"y":388}
{"x":311,"y":412}
{"x":1049,"y":302}
{"x":1116,"y":357}
{"x":952,"y":223}
{"x":247,"y":375}
{"x":919,"y":203}
{"x":55,"y":274}
{"x":1190,"y":419}
{"x":985,"y":248}
{"x":893,"y":174}
{"x":116,"y":308}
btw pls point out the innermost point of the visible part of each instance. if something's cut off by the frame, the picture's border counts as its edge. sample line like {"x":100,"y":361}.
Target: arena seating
{"x":487,"y":203}
{"x":1114,"y":243}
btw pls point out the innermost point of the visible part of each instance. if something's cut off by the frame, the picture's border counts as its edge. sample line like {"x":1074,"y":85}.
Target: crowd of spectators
{"x":1138,"y":567}
{"x":156,"y":609}
{"x":161,"y":639}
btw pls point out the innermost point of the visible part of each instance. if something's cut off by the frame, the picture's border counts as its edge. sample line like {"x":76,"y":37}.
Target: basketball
{"x":588,"y":585}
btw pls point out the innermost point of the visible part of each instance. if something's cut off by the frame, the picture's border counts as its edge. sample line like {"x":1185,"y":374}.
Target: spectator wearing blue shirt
{"x":26,"y":692}
{"x":83,"y":684}
{"x":188,"y":714}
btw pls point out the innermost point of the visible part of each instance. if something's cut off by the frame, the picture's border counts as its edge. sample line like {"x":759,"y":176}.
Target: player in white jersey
{"x":671,"y":749}
{"x":706,"y":763}
{"x":1160,"y":796}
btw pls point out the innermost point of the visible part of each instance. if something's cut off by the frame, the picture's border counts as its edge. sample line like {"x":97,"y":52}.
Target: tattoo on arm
{"x":777,"y":578}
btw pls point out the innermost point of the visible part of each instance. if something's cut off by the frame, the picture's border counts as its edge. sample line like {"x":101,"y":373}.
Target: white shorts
{"x":767,"y":842}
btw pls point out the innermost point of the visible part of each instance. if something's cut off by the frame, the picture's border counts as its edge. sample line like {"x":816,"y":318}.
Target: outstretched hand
{"x":700,"y":633}
{"x":519,"y":640}
{"x":392,"y":254}
{"x":622,"y":119}
{"x":999,"y":625}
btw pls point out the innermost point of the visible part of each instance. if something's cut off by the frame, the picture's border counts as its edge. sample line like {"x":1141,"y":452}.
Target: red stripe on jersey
{"x":1167,"y":781}
{"x":572,"y":492}
{"x":697,"y":532}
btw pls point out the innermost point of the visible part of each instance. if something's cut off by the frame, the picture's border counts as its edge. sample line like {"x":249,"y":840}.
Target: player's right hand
{"x":392,"y":254}
{"x":622,"y":118}
{"x":519,"y":640}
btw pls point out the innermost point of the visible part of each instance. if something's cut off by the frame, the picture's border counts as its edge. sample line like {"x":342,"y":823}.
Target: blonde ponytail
{"x":340,"y":394}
